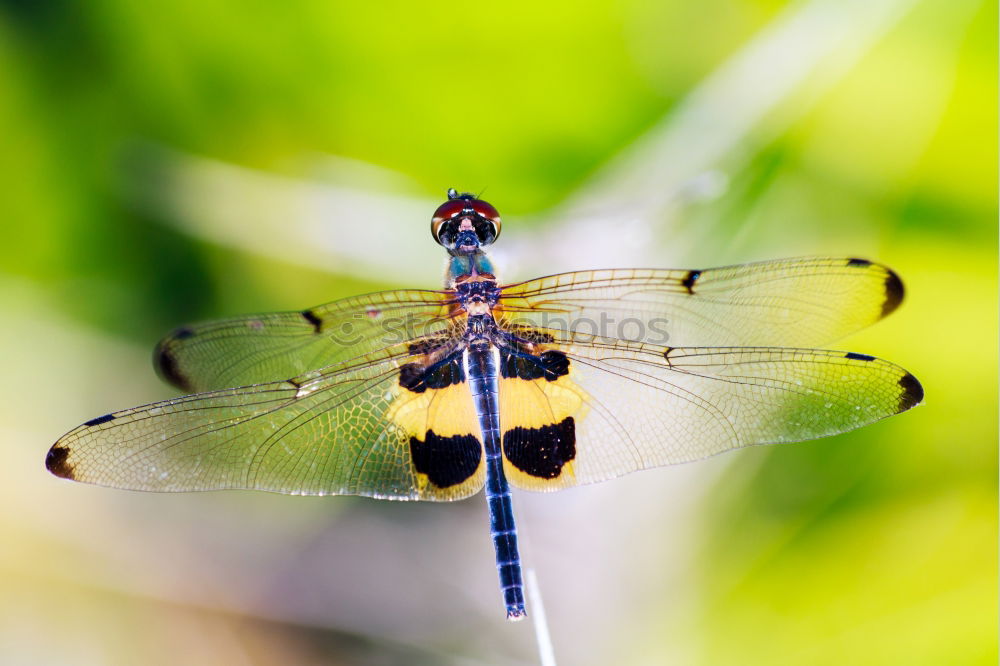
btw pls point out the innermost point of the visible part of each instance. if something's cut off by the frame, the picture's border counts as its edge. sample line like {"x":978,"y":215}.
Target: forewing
{"x":330,"y":433}
{"x":270,"y":347}
{"x":634,"y":406}
{"x":786,"y":303}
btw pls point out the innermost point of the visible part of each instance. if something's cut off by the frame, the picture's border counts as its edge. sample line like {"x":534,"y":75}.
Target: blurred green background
{"x":169,"y":162}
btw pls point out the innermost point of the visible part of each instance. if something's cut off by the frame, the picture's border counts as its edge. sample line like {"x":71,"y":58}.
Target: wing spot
{"x":311,"y":317}
{"x":417,"y":377}
{"x":541,"y":452}
{"x":521,"y":365}
{"x":446,"y":461}
{"x":57,"y":463}
{"x":166,"y":365}
{"x":861,"y":263}
{"x":913,"y":392}
{"x":100,"y":419}
{"x":690,"y":279}
{"x":666,"y":356}
{"x":859,"y":357}
{"x":893,"y":293}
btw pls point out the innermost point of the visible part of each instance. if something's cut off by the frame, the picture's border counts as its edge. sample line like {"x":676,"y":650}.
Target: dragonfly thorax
{"x":480,"y":331}
{"x":473,"y":292}
{"x":467,"y":268}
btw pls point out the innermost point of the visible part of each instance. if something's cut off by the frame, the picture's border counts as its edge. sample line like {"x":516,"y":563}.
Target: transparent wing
{"x":319,"y":434}
{"x":644,"y":406}
{"x":786,"y":303}
{"x":270,"y":347}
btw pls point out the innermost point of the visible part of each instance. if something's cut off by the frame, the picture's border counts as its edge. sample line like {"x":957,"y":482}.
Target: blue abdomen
{"x":481,"y":363}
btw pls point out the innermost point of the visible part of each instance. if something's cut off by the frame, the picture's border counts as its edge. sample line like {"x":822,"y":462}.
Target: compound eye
{"x":462,"y":210}
{"x":486,"y":230}
{"x":488,"y":225}
{"x":442,"y":216}
{"x":484,"y":209}
{"x":450,"y":209}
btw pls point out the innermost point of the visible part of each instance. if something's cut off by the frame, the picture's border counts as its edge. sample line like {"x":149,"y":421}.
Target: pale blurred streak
{"x":349,"y":228}
{"x":620,"y":217}
{"x":806,"y":49}
{"x":755,"y":95}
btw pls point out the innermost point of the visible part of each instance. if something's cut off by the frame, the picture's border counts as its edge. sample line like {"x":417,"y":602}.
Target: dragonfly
{"x":542,"y":385}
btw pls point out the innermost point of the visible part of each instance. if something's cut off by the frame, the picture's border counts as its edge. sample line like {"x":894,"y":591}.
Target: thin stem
{"x":546,"y":655}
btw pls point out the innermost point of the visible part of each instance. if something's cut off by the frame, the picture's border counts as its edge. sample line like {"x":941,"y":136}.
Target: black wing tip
{"x":893,"y":284}
{"x":56,"y":461}
{"x":893,"y":292}
{"x":913,"y":392}
{"x":166,"y":365}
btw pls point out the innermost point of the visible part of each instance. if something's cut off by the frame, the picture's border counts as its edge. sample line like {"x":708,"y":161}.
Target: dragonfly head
{"x":464,"y":224}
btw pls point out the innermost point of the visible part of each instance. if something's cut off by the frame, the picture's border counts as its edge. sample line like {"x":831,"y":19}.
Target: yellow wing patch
{"x":538,"y":420}
{"x":447,"y":411}
{"x":445,"y":443}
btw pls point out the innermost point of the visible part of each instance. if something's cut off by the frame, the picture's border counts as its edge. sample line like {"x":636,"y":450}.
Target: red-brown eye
{"x":484,"y":209}
{"x":450,"y":209}
{"x":458,"y":213}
